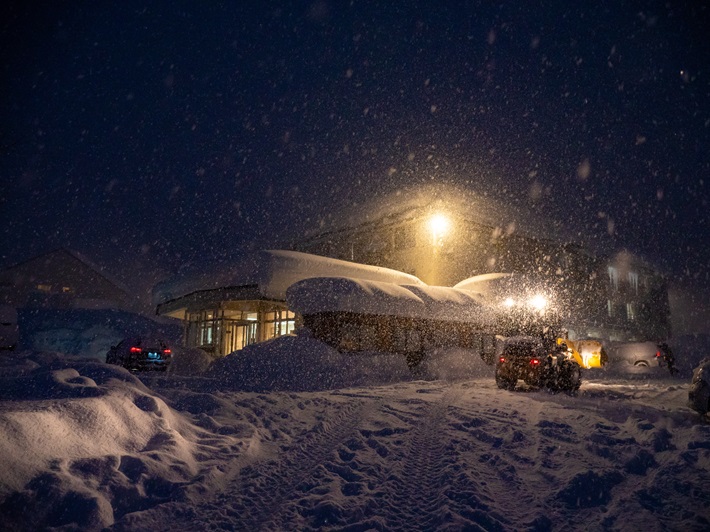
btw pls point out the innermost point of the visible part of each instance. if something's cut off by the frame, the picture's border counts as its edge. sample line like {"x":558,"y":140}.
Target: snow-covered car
{"x":9,"y":332}
{"x":699,"y":391}
{"x":527,"y":359}
{"x":638,"y":356}
{"x":141,"y":354}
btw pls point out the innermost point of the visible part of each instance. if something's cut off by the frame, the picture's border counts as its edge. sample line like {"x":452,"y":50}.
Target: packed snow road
{"x":465,"y":455}
{"x":346,"y":443}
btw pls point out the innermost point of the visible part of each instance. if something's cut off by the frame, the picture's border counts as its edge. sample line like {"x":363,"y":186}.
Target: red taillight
{"x":166,"y":351}
{"x":135,"y":349}
{"x":502,"y":360}
{"x":534,"y":362}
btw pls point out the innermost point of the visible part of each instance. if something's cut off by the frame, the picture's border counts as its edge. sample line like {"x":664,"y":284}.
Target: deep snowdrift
{"x":351,"y":442}
{"x":83,"y":442}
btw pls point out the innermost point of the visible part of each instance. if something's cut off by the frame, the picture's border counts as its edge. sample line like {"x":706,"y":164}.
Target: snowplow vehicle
{"x":587,"y":353}
{"x":527,"y":359}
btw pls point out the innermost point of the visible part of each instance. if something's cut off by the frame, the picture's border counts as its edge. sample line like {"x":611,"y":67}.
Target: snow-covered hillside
{"x":291,"y":435}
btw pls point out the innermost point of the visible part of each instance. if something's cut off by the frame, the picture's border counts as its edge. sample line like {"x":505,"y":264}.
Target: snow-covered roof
{"x":453,"y":304}
{"x":273,"y":271}
{"x":98,"y":270}
{"x":342,"y":294}
{"x":485,"y":284}
{"x":477,"y":280}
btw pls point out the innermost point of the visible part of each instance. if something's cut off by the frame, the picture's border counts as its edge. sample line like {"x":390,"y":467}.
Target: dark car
{"x":526,"y":359}
{"x":699,"y":391}
{"x":141,"y":354}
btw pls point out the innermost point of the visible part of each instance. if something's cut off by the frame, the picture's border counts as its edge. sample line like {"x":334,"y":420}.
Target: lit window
{"x":634,"y":281}
{"x":44,"y":287}
{"x":279,"y":323}
{"x":613,"y":277}
{"x":630,"y":312}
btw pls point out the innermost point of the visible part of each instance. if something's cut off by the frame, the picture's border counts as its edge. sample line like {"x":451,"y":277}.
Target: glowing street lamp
{"x":439,"y":226}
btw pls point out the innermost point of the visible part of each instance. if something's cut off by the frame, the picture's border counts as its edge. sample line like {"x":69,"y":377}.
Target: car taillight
{"x":534,"y":362}
{"x":502,"y":360}
{"x":135,"y":349}
{"x":166,"y":351}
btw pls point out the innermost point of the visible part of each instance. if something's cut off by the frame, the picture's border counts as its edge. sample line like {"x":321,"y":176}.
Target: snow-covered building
{"x":361,"y":315}
{"x":349,"y":306}
{"x":229,"y":306}
{"x":61,"y":278}
{"x":444,"y":240}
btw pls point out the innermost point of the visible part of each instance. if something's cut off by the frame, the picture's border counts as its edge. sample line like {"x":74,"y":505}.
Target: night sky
{"x":152,"y":134}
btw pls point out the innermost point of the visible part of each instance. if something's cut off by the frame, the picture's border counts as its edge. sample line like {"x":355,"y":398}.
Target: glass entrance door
{"x":239,"y":334}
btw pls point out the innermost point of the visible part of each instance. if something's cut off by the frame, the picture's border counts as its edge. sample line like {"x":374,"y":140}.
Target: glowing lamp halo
{"x":538,"y":302}
{"x":439,"y":224}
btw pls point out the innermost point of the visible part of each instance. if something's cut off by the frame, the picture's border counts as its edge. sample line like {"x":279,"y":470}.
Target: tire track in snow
{"x":261,"y":497}
{"x":415,"y":490}
{"x":496,"y":463}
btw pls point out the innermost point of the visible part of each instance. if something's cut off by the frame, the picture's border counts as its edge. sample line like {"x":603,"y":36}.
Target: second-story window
{"x":634,"y":281}
{"x":630,"y":312}
{"x":613,"y":277}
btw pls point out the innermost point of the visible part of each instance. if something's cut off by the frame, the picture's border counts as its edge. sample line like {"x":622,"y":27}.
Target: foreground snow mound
{"x":190,"y":361}
{"x":300,"y":363}
{"x":83,"y":443}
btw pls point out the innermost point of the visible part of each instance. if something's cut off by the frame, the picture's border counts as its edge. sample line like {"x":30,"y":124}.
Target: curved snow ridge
{"x":90,"y":458}
{"x":298,"y":363}
{"x":405,"y":454}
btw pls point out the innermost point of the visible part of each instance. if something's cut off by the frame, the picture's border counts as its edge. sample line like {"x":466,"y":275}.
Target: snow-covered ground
{"x":291,"y":435}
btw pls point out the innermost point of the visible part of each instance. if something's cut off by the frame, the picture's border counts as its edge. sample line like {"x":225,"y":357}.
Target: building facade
{"x":60,"y":279}
{"x":228,"y":319}
{"x":615,"y":297}
{"x":225,"y":308}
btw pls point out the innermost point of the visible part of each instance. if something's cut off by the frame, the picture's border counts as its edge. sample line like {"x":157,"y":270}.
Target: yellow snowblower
{"x":587,"y":353}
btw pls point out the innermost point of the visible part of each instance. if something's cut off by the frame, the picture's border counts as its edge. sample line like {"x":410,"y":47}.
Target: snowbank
{"x":190,"y":361}
{"x":300,"y":363}
{"x":87,"y":446}
{"x":453,"y":365}
{"x":84,"y":443}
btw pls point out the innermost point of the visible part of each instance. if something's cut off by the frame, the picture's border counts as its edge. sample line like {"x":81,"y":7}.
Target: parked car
{"x":9,"y":331}
{"x":634,"y":357}
{"x":699,"y":391}
{"x":527,"y":359}
{"x":141,"y":354}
